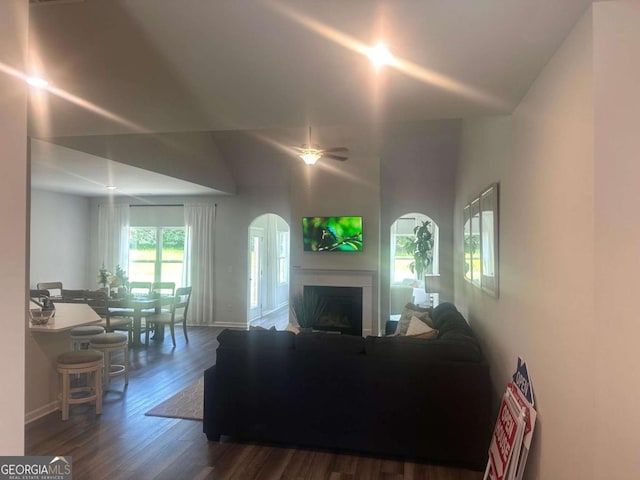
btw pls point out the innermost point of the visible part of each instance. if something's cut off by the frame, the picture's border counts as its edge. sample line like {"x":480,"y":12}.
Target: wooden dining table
{"x":137,"y":307}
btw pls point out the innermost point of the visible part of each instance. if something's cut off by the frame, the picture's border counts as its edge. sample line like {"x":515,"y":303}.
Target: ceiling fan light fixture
{"x":310,"y":157}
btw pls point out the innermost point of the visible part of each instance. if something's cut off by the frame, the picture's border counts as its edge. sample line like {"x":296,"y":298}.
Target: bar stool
{"x":107,"y":343}
{"x":81,"y":336}
{"x":76,"y":363}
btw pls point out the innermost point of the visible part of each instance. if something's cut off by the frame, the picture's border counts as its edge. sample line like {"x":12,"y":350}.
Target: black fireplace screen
{"x":343,"y":309}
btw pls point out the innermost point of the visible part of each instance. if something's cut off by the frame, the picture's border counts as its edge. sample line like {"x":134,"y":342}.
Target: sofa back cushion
{"x":420,"y":350}
{"x":447,"y":318}
{"x":329,"y":343}
{"x":256,"y":339}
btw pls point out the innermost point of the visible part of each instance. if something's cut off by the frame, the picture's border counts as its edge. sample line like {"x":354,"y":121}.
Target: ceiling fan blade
{"x":336,"y":150}
{"x":334,"y":157}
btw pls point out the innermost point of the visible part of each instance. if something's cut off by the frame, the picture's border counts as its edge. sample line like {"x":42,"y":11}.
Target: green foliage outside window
{"x":145,"y":239}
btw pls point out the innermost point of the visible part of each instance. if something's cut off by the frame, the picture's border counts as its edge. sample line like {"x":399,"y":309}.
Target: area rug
{"x":187,"y":403}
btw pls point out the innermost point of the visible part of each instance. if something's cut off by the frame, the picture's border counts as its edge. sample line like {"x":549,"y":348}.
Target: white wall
{"x":417,"y":175}
{"x":60,"y":229}
{"x":617,"y":238}
{"x":14,"y":16}
{"x":329,"y":189}
{"x":336,"y":189}
{"x":543,"y":158}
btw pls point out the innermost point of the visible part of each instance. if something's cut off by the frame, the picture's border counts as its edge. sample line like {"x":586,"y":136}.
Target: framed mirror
{"x":475,"y":241}
{"x":468,"y":268}
{"x":489,"y":240}
{"x":480,"y":233}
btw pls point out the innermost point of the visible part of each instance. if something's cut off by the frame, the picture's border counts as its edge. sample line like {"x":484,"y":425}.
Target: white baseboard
{"x":229,"y":325}
{"x":41,"y":412}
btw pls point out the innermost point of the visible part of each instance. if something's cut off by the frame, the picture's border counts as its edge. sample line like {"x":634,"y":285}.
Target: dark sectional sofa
{"x":421,"y":399}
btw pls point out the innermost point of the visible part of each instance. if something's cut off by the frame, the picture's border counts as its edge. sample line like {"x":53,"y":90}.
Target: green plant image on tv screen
{"x":332,"y":234}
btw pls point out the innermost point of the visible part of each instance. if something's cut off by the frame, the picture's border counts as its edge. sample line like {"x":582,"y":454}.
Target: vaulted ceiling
{"x":269,"y":69}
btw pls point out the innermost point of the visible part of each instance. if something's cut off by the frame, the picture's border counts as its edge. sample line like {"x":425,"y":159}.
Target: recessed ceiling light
{"x":110,"y":187}
{"x":37,"y":82}
{"x":380,"y":55}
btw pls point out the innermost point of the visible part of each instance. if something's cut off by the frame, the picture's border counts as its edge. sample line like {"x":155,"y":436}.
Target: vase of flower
{"x":104,"y":277}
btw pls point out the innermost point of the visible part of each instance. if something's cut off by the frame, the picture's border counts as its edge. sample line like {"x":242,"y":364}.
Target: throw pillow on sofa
{"x":411,"y":310}
{"x":419,"y":329}
{"x":292,"y":327}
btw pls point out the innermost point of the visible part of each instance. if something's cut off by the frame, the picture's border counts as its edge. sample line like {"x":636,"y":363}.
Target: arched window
{"x":402,"y":235}
{"x":406,"y":285}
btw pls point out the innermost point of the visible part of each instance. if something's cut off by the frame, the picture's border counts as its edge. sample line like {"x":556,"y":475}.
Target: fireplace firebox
{"x":343,"y":308}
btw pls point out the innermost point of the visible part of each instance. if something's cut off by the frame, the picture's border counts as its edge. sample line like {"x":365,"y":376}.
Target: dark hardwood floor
{"x":123,"y":443}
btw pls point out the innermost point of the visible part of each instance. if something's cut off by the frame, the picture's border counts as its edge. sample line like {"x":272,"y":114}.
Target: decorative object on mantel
{"x":481,"y":240}
{"x":307,"y":309}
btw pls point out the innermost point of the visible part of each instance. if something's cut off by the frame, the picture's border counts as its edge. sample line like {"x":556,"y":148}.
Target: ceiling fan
{"x":311,"y":153}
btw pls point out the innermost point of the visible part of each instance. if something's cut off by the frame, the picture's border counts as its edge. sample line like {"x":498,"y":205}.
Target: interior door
{"x":257,"y":288}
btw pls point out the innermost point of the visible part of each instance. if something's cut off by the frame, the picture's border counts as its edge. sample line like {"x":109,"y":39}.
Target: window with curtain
{"x":157,"y":244}
{"x":113,"y":236}
{"x":200,"y":220}
{"x":283,"y":258}
{"x":156,"y":254}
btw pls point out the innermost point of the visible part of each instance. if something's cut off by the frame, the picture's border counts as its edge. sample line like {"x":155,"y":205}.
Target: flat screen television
{"x":332,"y":234}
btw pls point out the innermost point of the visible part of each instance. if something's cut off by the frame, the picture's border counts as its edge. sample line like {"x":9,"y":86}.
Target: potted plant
{"x":119,"y":282}
{"x":307,"y":309}
{"x":104,"y":278}
{"x":421,"y":247}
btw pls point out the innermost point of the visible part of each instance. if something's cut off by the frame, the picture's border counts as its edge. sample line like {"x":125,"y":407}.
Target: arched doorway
{"x":405,"y":284}
{"x":268,"y":275}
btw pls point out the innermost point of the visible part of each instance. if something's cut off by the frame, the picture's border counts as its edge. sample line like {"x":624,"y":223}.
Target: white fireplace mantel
{"x":340,"y":278}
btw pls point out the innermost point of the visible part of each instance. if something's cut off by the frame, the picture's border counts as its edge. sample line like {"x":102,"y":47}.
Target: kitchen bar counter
{"x":68,"y":316}
{"x":43,"y":345}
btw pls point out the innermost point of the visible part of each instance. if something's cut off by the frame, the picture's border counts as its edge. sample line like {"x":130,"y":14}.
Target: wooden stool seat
{"x":81,"y":336}
{"x":107,"y":343}
{"x":75,"y":363}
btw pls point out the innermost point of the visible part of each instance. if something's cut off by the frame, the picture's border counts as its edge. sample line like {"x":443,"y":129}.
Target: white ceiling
{"x":152,"y":66}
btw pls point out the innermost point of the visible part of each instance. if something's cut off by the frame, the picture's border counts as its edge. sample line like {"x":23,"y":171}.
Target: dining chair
{"x":99,"y":301}
{"x":38,"y":295}
{"x":177,"y":314}
{"x":55,"y":286}
{"x":140,"y":288}
{"x":73,"y":296}
{"x":164,"y":288}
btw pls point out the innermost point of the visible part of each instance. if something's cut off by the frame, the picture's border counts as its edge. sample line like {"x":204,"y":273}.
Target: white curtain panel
{"x":113,"y":236}
{"x":200,"y":219}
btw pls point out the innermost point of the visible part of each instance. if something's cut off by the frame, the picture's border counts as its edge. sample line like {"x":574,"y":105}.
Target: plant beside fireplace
{"x":307,"y":308}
